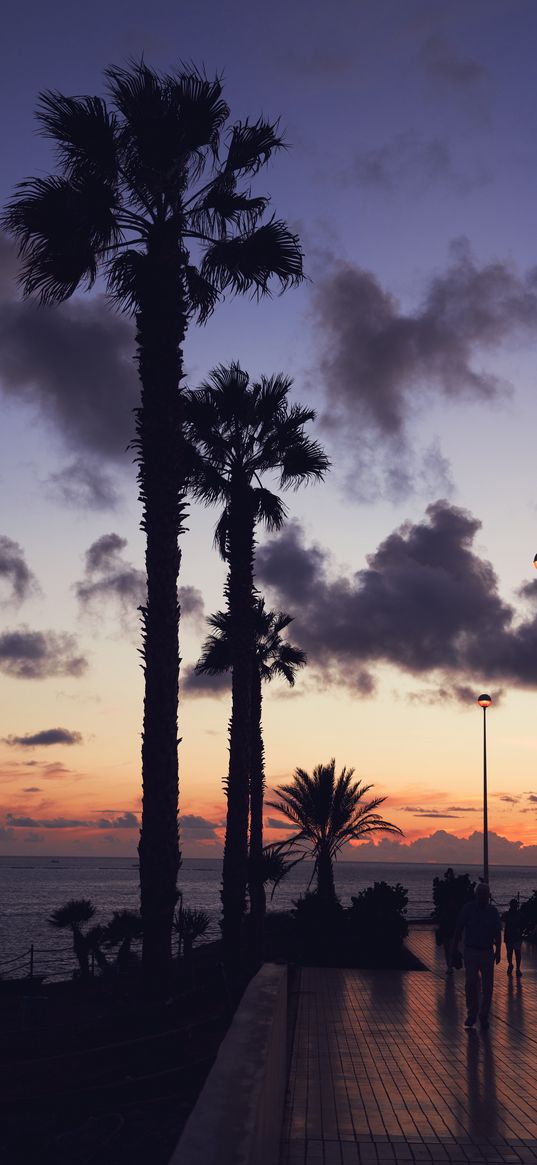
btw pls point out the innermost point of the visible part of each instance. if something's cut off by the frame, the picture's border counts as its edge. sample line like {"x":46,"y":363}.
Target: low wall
{"x":237,"y":1119}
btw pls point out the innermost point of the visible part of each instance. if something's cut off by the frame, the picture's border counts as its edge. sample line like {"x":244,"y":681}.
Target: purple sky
{"x":411,"y":179}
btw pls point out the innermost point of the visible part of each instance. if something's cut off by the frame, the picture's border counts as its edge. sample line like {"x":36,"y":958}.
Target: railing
{"x":50,"y":963}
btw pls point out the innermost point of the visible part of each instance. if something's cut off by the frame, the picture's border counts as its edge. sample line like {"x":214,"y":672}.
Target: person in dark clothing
{"x":482,"y":928}
{"x":513,"y":936}
{"x":447,"y":914}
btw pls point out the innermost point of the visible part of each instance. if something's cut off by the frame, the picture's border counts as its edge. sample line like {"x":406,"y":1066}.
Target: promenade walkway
{"x":383,"y":1070}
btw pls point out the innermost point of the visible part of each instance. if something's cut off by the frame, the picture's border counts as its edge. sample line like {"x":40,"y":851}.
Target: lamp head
{"x":535,"y":562}
{"x":484,"y":701}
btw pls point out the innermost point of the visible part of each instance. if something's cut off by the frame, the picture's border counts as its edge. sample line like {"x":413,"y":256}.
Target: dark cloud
{"x":412,"y":161}
{"x":196,"y":684}
{"x":109,"y":579}
{"x":32,"y":789}
{"x":381,"y":365}
{"x":428,"y":812}
{"x":448,"y":66}
{"x":532,"y":797}
{"x":46,"y":737}
{"x":126,"y":820}
{"x":191,"y":603}
{"x":85,"y":485}
{"x":426,"y":603}
{"x":195,"y":828}
{"x":510,"y":800}
{"x":20,"y":822}
{"x":442,"y":847}
{"x":19,"y":581}
{"x":375,"y":356}
{"x":277,"y":823}
{"x":74,"y":362}
{"x":37,"y":655}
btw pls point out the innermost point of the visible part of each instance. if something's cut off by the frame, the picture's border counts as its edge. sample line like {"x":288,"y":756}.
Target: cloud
{"x":278,"y":823}
{"x":109,"y":579}
{"x":412,"y":161}
{"x":195,"y":828}
{"x":427,"y":812}
{"x":194,"y":683}
{"x":442,"y":847}
{"x":84,"y":484}
{"x":37,"y":655}
{"x":21,"y":822}
{"x":75,"y":363}
{"x":449,"y":67}
{"x":426,"y":603}
{"x":126,"y":820}
{"x":32,"y":789}
{"x":14,"y":572}
{"x":46,"y":737}
{"x":381,"y":365}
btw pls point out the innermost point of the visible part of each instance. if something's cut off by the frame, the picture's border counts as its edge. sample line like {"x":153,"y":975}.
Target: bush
{"x":528,"y":917}
{"x":377,"y":924}
{"x":319,"y":929}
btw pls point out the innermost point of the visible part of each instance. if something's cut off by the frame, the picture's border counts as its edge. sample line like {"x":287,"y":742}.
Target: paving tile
{"x":383,"y":1071}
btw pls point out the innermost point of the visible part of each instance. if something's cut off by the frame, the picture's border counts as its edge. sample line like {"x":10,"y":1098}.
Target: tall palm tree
{"x":241,"y":431}
{"x":72,"y":916}
{"x":124,"y":927}
{"x":329,"y":812}
{"x":144,"y":198}
{"x":273,"y":657}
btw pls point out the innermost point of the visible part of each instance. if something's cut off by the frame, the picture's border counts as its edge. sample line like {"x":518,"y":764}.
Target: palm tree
{"x":72,"y":916}
{"x":273,"y":657}
{"x":123,"y":928}
{"x":143,"y":198}
{"x":241,"y":431}
{"x":329,"y":812}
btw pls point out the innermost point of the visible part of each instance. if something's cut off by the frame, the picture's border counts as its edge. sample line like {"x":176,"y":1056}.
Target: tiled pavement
{"x":383,"y":1070}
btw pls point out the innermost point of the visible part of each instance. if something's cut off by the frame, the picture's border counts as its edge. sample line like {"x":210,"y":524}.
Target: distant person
{"x":482,"y":928}
{"x":513,"y":936}
{"x":447,"y":913}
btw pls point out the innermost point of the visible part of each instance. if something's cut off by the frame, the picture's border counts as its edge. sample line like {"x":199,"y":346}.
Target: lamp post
{"x":484,"y":702}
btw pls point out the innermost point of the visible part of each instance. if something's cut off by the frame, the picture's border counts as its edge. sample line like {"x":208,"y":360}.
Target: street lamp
{"x":535,"y":562}
{"x":484,"y":702}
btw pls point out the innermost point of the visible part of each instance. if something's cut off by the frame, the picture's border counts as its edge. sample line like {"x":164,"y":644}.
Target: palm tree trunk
{"x":161,"y":325}
{"x":325,"y":876}
{"x":256,"y":888}
{"x":240,"y":599}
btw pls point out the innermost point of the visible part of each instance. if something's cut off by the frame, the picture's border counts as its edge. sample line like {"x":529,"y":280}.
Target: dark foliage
{"x":377,"y":922}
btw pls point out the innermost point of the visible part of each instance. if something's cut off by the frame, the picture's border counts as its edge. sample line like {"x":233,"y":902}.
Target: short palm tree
{"x":123,"y":928}
{"x":146,"y":196}
{"x":274,"y":656}
{"x":329,"y":811}
{"x":240,"y":431}
{"x":72,"y":916}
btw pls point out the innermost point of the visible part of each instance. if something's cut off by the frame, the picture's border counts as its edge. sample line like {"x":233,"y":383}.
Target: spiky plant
{"x":328,"y":811}
{"x":72,"y":916}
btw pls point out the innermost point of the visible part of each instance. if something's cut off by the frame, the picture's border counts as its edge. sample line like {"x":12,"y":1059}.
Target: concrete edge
{"x":237,"y":1118}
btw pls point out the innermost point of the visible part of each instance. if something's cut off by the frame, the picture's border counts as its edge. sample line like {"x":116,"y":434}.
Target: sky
{"x":411,"y":180}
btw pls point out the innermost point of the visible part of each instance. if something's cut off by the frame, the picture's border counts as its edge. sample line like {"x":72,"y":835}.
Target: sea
{"x":31,"y":888}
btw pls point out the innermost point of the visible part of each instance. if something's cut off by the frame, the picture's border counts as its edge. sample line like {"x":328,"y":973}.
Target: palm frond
{"x":202,"y":295}
{"x":249,"y":262}
{"x":269,"y":508}
{"x":252,"y":144}
{"x":61,"y":228}
{"x":85,"y":134}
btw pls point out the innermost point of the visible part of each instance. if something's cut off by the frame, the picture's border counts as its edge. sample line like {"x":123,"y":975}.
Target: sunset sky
{"x":411,"y":179}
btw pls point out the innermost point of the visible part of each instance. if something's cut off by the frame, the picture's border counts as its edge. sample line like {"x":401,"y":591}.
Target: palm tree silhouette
{"x":241,"y":431}
{"x":273,"y":657}
{"x":142,"y":197}
{"x":72,"y":916}
{"x":329,"y":812}
{"x":123,"y":928}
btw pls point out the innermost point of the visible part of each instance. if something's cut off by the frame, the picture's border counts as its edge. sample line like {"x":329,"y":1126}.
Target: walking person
{"x":482,"y":928}
{"x":513,"y":936}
